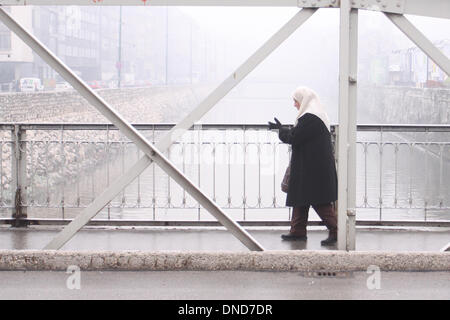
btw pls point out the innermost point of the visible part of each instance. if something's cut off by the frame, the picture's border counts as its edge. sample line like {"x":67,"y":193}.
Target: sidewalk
{"x":226,"y":285}
{"x":218,"y":239}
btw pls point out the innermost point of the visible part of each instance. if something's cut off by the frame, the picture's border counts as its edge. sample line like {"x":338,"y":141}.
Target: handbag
{"x":285,"y":181}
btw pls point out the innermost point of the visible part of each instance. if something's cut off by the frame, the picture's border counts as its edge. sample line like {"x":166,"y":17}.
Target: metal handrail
{"x":208,"y":126}
{"x":20,"y":139}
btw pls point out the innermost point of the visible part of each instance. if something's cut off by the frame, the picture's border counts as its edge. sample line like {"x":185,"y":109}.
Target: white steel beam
{"x":352,"y":104}
{"x":129,"y":131}
{"x":206,"y":3}
{"x":178,"y":130}
{"x":175,"y":133}
{"x":446,"y":248}
{"x":421,"y":41}
{"x":430,"y":8}
{"x":343,"y":141}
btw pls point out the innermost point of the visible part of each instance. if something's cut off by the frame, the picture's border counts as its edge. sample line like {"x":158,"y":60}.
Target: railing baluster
{"x":410,"y":174}
{"x":47,"y":187}
{"x":153,"y":181}
{"x":123,"y":147}
{"x":244,"y":198}
{"x":31,"y":195}
{"x":395,"y":173}
{"x":289,"y":159}
{"x":92,"y":180}
{"x":169,"y":201}
{"x":441,"y":174}
{"x":214,"y":172}
{"x":427,"y":151}
{"x":366,"y":150}
{"x":183,"y":150}
{"x":107,"y":168}
{"x":138,"y":202}
{"x":229,"y":174}
{"x":259,"y":173}
{"x":274,"y":200}
{"x":1,"y":174}
{"x":78,"y":173}
{"x":63,"y":164}
{"x":380,"y":199}
{"x":199,"y":142}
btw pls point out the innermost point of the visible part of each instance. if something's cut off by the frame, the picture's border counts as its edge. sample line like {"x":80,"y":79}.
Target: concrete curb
{"x":310,"y":261}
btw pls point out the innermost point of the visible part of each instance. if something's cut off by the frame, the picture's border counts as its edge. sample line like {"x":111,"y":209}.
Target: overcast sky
{"x":260,"y":22}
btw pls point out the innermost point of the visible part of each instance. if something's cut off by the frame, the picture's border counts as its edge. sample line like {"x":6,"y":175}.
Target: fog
{"x":310,"y":57}
{"x":201,"y":46}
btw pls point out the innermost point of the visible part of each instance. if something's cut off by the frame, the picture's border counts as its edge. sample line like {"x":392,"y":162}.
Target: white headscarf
{"x":310,"y":103}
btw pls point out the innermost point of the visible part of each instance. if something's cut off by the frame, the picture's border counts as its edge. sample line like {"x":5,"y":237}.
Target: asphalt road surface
{"x":193,"y":285}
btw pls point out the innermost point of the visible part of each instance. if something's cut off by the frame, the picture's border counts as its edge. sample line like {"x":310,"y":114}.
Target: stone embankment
{"x":51,"y":164}
{"x":401,"y":105}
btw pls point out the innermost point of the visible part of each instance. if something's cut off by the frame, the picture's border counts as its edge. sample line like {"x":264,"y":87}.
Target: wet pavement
{"x":226,"y":285}
{"x":217,"y":239}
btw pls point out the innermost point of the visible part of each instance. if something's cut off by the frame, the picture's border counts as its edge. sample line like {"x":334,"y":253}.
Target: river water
{"x":407,"y":181}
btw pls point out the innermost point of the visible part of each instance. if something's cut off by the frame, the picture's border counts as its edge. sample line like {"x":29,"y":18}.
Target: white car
{"x":63,"y":86}
{"x":30,"y":85}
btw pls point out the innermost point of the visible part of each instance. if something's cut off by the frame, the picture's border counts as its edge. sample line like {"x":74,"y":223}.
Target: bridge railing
{"x":50,"y":172}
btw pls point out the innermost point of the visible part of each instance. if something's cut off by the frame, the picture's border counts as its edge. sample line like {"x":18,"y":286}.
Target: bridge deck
{"x":217,"y":239}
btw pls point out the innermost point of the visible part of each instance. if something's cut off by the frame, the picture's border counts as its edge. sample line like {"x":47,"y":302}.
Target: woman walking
{"x":313,"y":178}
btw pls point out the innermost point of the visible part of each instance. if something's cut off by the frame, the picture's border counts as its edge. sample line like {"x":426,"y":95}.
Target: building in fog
{"x":142,"y":46}
{"x":72,"y":33}
{"x":16,"y":58}
{"x":412,"y":67}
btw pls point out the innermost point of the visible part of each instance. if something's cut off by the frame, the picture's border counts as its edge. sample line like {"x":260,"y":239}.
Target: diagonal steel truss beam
{"x":155,"y":3}
{"x":176,"y":132}
{"x":130,"y":132}
{"x":152,"y":153}
{"x":420,"y":40}
{"x":430,"y":8}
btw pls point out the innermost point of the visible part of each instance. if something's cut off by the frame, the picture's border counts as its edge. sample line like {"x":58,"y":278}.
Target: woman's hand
{"x":277,"y":125}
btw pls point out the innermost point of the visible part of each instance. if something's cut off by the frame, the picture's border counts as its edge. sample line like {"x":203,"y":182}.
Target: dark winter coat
{"x":313,"y":178}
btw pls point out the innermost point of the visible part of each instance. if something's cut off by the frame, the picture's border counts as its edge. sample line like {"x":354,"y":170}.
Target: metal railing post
{"x":19,"y":176}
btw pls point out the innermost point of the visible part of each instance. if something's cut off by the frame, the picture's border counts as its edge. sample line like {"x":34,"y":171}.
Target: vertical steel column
{"x":19,"y":176}
{"x":352,"y":112}
{"x":343,"y":139}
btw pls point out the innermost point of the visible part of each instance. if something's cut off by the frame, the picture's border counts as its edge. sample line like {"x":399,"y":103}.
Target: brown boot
{"x":331,"y":240}
{"x":299,"y":222}
{"x":327,"y":213}
{"x":293,"y":237}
